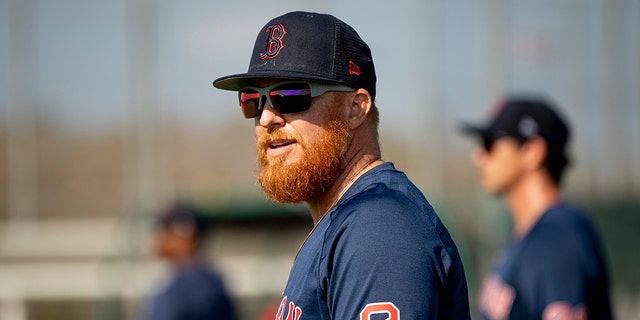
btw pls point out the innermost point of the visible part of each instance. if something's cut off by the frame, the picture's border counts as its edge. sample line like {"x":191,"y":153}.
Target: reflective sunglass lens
{"x":250,"y":103}
{"x":291,"y":98}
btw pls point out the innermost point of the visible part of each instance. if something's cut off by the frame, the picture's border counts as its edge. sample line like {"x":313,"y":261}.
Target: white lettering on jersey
{"x":496,"y":298}
{"x":564,"y":311}
{"x":293,"y":312}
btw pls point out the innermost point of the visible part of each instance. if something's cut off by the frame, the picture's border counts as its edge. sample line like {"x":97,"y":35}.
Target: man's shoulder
{"x":385,"y":206}
{"x":384,"y":189}
{"x":563,"y":221}
{"x":389,"y":217}
{"x":564,"y":235}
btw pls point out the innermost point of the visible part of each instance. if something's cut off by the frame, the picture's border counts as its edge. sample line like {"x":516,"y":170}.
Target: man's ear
{"x":535,"y":152}
{"x":361,"y":103}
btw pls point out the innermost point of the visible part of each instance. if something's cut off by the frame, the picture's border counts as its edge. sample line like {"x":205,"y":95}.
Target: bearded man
{"x":377,"y":247}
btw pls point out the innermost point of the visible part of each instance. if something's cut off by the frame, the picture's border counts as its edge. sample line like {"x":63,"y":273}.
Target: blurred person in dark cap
{"x":553,"y":266}
{"x":195,"y":290}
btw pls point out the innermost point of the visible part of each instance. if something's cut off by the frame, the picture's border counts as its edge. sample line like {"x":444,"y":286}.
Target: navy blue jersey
{"x":557,"y":267}
{"x":380,"y":253}
{"x":193,"y":293}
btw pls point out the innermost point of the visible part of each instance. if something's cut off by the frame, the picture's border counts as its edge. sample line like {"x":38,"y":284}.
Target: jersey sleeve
{"x":561,"y":277}
{"x":387,"y":258}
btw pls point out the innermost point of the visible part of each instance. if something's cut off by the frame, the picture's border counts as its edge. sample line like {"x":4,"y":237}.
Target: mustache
{"x":279,"y":134}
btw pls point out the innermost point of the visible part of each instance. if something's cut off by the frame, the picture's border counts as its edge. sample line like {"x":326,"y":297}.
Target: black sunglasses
{"x":284,"y":97}
{"x":489,"y":141}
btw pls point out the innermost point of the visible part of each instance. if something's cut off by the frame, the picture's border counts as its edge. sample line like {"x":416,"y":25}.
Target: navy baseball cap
{"x":182,"y":214}
{"x":308,"y":46}
{"x":522,"y":118}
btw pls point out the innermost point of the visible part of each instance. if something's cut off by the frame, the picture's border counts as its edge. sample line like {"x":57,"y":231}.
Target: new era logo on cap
{"x":354,"y":69}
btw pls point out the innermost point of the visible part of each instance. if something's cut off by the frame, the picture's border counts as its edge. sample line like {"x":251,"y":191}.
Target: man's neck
{"x":529,"y":200}
{"x":319,"y":207}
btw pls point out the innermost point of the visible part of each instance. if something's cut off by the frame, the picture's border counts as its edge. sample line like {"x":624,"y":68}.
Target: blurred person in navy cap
{"x":553,"y":266}
{"x":194,"y":290}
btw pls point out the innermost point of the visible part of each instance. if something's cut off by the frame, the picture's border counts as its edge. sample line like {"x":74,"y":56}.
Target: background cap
{"x":522,"y":118}
{"x":308,"y":46}
{"x":184,"y":216}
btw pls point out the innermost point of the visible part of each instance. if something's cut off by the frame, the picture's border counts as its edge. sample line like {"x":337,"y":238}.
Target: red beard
{"x":311,"y":176}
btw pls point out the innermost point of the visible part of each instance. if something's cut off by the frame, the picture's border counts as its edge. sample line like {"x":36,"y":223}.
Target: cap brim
{"x":238,"y":81}
{"x":473,"y":129}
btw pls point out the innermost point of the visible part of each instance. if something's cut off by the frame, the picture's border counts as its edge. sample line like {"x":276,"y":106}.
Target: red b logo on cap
{"x":274,"y":42}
